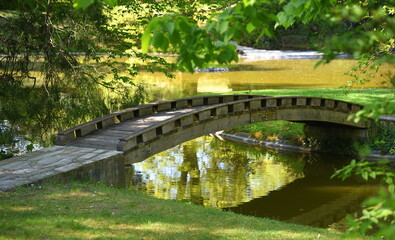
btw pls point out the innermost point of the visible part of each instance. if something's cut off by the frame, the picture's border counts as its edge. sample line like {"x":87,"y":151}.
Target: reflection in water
{"x":206,"y":83}
{"x":205,"y":173}
{"x":291,"y":187}
{"x":269,"y":74}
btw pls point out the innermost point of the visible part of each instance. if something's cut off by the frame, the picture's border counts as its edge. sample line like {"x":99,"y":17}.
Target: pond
{"x":268,"y":74}
{"x":287,"y":186}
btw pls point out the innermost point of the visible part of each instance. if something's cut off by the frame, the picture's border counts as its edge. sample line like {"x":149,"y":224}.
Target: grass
{"x":360,"y":96}
{"x":91,"y":211}
{"x":293,"y":132}
{"x":275,"y":130}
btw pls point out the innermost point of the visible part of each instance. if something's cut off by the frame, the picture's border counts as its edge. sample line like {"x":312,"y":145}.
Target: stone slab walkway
{"x":47,"y":162}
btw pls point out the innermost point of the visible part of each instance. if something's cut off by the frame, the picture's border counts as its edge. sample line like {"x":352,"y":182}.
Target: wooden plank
{"x":271,"y":103}
{"x":286,"y":102}
{"x":255,"y":104}
{"x":238,"y":107}
{"x":329,"y":103}
{"x":213,"y":100}
{"x":96,"y":146}
{"x":113,"y":133}
{"x":95,"y":143}
{"x":316,"y":102}
{"x":86,"y":129}
{"x":301,"y":101}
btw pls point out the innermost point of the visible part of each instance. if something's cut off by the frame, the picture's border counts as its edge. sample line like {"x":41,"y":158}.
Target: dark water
{"x":292,"y":187}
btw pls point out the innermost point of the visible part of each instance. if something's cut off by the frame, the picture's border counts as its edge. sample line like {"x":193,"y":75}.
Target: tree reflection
{"x":209,"y":172}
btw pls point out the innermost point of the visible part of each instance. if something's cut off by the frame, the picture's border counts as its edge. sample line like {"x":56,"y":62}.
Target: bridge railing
{"x":143,"y":110}
{"x":229,"y":108}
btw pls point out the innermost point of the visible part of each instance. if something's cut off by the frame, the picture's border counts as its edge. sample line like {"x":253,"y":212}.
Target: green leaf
{"x":250,"y":27}
{"x":281,"y":18}
{"x":175,"y":38}
{"x":229,"y":35}
{"x":165,"y":44}
{"x":184,"y":26}
{"x":145,"y":40}
{"x":169,"y":26}
{"x":146,"y":37}
{"x":111,"y":2}
{"x":249,"y":2}
{"x":389,"y":181}
{"x":391,"y":188}
{"x":29,"y":147}
{"x":222,"y":27}
{"x":82,"y":4}
{"x":365,"y":175}
{"x":250,"y":11}
{"x":157,"y":40}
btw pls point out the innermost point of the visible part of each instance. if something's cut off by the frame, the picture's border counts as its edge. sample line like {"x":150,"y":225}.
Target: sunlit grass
{"x":359,"y":96}
{"x":83,"y":211}
{"x":293,"y":132}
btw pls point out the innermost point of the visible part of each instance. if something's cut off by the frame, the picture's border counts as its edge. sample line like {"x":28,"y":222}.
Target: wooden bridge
{"x":143,"y":131}
{"x":137,"y":133}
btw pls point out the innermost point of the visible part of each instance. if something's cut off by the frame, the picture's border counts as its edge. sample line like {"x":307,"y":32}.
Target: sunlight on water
{"x":203,"y":172}
{"x":268,"y":74}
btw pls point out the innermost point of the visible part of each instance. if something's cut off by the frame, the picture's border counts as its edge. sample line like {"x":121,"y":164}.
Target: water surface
{"x":267,"y":74}
{"x":292,"y":187}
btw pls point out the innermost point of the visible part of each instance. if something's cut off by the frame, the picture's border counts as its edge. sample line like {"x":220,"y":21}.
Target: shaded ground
{"x":82,"y":211}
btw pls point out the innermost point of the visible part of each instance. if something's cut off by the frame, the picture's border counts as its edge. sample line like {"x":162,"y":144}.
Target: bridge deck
{"x":108,"y":138}
{"x":48,"y":162}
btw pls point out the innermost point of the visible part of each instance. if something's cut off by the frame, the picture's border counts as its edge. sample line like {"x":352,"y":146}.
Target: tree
{"x":57,"y":63}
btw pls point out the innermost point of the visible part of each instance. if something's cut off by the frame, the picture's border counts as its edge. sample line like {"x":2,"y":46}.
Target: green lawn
{"x":91,"y":211}
{"x":359,"y":96}
{"x":293,"y":132}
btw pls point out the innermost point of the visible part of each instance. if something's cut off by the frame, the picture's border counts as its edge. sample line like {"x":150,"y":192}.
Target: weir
{"x":134,"y":134}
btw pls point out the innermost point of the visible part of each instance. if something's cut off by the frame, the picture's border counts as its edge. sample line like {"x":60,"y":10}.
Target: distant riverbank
{"x":284,"y":146}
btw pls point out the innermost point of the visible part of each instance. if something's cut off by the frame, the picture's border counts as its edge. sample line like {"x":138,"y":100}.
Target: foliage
{"x":378,"y":216}
{"x":11,"y":141}
{"x":6,"y":139}
{"x":371,"y":28}
{"x":68,"y":66}
{"x":197,"y":46}
{"x":372,"y":25}
{"x":384,"y":139}
{"x":83,"y":4}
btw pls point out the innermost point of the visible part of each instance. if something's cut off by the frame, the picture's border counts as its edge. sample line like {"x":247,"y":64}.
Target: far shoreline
{"x":282,"y":146}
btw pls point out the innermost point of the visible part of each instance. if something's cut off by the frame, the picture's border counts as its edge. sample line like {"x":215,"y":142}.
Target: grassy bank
{"x":360,"y":96}
{"x":84,"y":211}
{"x":293,"y":132}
